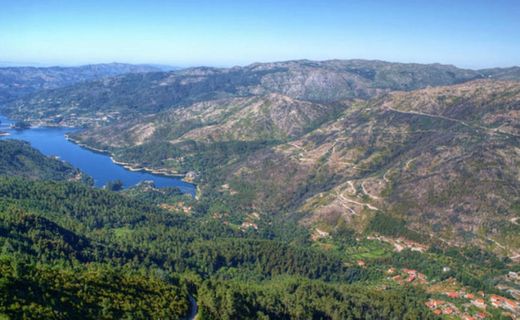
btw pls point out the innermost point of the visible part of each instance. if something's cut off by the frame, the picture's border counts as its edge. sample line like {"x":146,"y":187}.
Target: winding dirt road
{"x":487,"y":130}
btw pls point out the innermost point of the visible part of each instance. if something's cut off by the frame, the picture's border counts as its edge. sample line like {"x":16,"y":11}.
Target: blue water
{"x":52,"y":142}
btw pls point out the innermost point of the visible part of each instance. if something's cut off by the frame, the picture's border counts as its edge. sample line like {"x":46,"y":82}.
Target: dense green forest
{"x":31,"y":291}
{"x":69,"y":251}
{"x":18,"y":158}
{"x":100,"y":246}
{"x":300,"y":298}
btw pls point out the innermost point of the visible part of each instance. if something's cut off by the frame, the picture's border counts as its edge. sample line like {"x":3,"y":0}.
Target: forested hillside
{"x":136,"y":259}
{"x":18,"y":158}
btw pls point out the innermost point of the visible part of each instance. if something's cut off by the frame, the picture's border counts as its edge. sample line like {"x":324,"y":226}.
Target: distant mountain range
{"x":130,"y":95}
{"x":16,"y":82}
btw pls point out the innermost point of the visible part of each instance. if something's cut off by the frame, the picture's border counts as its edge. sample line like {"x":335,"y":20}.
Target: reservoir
{"x":52,"y":142}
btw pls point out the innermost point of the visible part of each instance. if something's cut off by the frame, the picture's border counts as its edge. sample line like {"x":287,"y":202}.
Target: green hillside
{"x":18,"y":158}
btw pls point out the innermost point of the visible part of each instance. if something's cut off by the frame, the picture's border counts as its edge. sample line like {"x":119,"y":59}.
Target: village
{"x":456,"y":301}
{"x":449,"y":298}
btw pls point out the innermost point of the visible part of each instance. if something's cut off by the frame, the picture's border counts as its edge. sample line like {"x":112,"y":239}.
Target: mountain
{"x":164,"y":67}
{"x":133,"y":95}
{"x":423,"y":157}
{"x":269,"y":117}
{"x":442,"y":159}
{"x":16,"y":82}
{"x":512,"y":73}
{"x":313,"y":140}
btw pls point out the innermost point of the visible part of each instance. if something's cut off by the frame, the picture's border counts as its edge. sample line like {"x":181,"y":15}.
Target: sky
{"x":466,"y":33}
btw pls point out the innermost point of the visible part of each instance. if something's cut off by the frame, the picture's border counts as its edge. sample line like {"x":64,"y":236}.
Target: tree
{"x":116,"y":185}
{"x":21,"y":125}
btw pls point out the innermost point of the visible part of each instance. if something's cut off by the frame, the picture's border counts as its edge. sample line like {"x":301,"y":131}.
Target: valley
{"x":260,"y":160}
{"x":325,"y":190}
{"x":357,"y":154}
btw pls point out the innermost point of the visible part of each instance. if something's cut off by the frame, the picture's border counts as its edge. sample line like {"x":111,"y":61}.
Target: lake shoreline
{"x":96,"y":162}
{"x":130,"y":166}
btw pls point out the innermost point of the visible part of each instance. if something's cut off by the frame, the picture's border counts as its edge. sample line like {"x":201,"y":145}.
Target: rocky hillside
{"x":445,"y":160}
{"x":129,"y":96}
{"x":512,"y":73}
{"x":270,"y":117}
{"x":441,"y":160}
{"x":16,"y":82}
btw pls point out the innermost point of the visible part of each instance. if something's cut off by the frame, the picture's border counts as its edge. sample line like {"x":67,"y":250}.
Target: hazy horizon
{"x":6,"y":64}
{"x":468,"y":34}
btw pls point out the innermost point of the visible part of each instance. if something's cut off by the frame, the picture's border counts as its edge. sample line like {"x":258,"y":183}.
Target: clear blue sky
{"x":467,"y":33}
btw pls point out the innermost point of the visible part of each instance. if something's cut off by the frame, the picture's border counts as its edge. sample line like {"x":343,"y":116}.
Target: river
{"x":51,"y":141}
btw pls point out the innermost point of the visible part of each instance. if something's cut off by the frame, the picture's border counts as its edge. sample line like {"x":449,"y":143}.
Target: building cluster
{"x":442,"y":307}
{"x":248,"y":225}
{"x":407,"y":276}
{"x":504,"y":303}
{"x":481,"y":301}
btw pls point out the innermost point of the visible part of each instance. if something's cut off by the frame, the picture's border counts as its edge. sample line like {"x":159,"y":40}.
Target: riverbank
{"x":131,"y":166}
{"x":85,"y":145}
{"x":134,"y":167}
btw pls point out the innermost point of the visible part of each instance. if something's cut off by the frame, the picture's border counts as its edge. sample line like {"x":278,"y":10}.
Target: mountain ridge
{"x":123,"y":97}
{"x":16,"y":82}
